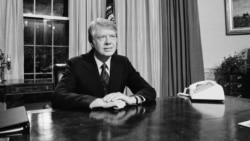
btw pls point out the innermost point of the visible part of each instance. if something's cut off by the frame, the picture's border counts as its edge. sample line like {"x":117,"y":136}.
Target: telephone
{"x":204,"y":90}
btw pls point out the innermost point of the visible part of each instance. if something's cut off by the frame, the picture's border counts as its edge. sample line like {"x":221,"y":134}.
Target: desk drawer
{"x":29,"y":89}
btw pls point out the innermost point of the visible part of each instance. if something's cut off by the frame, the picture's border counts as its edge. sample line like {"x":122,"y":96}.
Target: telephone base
{"x":207,"y":101}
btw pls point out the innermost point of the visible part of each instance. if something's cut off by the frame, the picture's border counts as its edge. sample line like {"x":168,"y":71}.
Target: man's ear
{"x":92,"y":45}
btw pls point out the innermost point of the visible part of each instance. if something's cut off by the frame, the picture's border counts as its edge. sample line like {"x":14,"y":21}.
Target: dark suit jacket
{"x":81,"y":82}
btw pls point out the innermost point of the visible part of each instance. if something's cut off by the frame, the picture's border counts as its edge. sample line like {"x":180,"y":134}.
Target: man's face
{"x":104,"y":41}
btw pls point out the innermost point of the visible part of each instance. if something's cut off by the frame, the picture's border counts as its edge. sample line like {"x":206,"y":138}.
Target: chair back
{"x":58,"y":72}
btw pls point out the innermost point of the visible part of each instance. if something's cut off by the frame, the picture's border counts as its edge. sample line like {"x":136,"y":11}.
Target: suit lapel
{"x":115,"y":75}
{"x":93,"y":75}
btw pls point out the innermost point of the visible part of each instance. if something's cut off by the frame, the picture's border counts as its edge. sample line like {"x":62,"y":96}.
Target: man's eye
{"x":113,"y":36}
{"x":101,"y":37}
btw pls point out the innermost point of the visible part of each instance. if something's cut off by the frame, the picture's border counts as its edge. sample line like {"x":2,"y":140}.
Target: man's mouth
{"x":108,"y":48}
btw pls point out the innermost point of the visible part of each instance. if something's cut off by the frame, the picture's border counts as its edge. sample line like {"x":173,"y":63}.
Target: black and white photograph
{"x":124,"y":70}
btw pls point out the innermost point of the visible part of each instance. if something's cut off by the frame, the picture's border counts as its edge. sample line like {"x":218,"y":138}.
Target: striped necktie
{"x":105,"y":78}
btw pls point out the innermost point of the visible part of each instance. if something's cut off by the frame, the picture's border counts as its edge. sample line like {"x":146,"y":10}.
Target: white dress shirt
{"x":100,"y":63}
{"x":140,"y":99}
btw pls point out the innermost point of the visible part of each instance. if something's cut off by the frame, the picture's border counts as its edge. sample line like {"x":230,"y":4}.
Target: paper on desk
{"x":245,"y":123}
{"x":12,"y":130}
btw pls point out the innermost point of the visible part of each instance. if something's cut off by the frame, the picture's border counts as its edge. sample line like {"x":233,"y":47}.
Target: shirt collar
{"x":99,"y":62}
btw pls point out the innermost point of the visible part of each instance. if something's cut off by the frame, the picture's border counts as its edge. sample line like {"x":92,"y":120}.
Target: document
{"x":14,"y":120}
{"x":245,"y":123}
{"x":18,"y":129}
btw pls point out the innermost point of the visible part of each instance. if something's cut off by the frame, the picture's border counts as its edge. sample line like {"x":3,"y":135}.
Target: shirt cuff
{"x":140,"y":99}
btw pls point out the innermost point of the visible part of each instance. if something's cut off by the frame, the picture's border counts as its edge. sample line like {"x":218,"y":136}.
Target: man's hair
{"x":99,"y":22}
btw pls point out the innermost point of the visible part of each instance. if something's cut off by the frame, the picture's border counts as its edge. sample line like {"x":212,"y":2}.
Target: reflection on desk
{"x":119,"y":117}
{"x":169,"y":119}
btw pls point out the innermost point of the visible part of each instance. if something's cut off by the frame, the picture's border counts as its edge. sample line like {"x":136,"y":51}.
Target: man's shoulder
{"x":80,"y":60}
{"x":76,"y":58}
{"x":81,"y":57}
{"x":120,"y":58}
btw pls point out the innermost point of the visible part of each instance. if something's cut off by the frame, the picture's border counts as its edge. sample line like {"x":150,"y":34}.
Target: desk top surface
{"x":169,"y":119}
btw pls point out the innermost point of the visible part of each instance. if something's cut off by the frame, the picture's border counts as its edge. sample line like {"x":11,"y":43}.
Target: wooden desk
{"x":170,"y":119}
{"x":20,"y":87}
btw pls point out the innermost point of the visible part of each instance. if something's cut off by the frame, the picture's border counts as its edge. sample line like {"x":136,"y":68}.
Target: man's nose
{"x":107,"y":40}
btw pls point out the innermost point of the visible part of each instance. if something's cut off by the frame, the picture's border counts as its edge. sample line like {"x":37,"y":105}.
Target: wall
{"x":215,"y":43}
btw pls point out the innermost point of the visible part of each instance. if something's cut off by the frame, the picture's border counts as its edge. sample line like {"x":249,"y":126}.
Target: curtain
{"x":11,"y":36}
{"x":81,"y":13}
{"x":139,"y":37}
{"x":182,"y":53}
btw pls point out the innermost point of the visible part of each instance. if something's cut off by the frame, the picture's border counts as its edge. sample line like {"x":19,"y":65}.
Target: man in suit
{"x":98,"y":78}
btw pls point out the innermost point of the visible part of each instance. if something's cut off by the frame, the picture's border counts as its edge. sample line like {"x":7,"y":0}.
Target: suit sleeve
{"x":66,"y":96}
{"x":138,"y":85}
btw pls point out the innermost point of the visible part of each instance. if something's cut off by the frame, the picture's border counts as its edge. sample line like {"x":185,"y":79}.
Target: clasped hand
{"x":119,"y":96}
{"x":116,"y":100}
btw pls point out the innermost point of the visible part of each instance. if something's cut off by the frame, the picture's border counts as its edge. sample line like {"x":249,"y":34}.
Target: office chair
{"x":57,"y":75}
{"x":58,"y":72}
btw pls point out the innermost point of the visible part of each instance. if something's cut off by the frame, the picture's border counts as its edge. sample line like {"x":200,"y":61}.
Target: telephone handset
{"x":204,"y":90}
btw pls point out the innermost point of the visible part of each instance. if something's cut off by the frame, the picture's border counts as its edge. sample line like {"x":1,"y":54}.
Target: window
{"x":46,"y":32}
